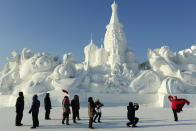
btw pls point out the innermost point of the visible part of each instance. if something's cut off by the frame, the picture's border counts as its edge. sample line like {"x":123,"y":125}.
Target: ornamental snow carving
{"x":109,"y":70}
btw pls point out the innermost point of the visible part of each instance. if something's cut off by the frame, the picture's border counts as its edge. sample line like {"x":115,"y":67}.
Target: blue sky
{"x":62,"y":26}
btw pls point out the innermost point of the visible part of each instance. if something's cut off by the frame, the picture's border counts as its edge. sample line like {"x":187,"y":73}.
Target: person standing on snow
{"x":98,"y":106}
{"x":177,"y":105}
{"x":47,"y":105}
{"x":75,"y":108}
{"x":19,"y":109}
{"x":35,"y":111}
{"x":91,"y":111}
{"x":66,"y":110}
{"x":78,"y":113}
{"x":131,"y":114}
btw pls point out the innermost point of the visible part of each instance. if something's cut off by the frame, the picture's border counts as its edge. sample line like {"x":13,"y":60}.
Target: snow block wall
{"x":110,"y":73}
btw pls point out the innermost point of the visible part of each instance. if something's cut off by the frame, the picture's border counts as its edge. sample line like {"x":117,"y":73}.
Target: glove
{"x":29,"y":112}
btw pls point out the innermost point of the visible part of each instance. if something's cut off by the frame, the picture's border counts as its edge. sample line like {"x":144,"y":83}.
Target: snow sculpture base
{"x":107,"y":99}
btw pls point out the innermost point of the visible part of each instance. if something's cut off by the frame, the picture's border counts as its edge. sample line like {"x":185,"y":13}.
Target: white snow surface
{"x":110,"y":70}
{"x":113,"y":118}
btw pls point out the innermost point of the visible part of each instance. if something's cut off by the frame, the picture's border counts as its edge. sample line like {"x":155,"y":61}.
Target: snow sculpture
{"x":114,"y":50}
{"x":89,"y":51}
{"x":161,"y":61}
{"x":68,"y":58}
{"x":187,"y":56}
{"x":9,"y":76}
{"x":101,"y":56}
{"x":26,"y":54}
{"x":175,"y":69}
{"x":115,"y":41}
{"x":172,"y":85}
{"x":38,"y":63}
{"x":110,"y":70}
{"x":145,"y":82}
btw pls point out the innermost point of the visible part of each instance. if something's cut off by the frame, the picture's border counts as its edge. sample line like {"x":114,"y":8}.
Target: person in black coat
{"x":47,"y":105}
{"x":35,"y":111}
{"x":75,"y":104}
{"x":98,"y":113}
{"x":19,"y":109}
{"x":131,"y":114}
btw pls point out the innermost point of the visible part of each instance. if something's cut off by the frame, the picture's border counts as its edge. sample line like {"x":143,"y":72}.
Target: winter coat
{"x":20,"y":104}
{"x":131,"y":110}
{"x":75,"y":105}
{"x":47,"y":103}
{"x":98,"y":106}
{"x":91,"y":109}
{"x":66,"y":105}
{"x":180,"y":106}
{"x":175,"y":103}
{"x":35,"y":105}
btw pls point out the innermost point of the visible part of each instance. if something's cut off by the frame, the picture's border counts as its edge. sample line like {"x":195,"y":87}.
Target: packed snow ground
{"x":114,"y":118}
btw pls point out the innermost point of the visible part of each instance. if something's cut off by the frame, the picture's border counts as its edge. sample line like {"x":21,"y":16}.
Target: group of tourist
{"x":94,"y":109}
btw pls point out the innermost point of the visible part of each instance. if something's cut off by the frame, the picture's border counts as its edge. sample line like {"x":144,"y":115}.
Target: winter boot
{"x":63,"y":122}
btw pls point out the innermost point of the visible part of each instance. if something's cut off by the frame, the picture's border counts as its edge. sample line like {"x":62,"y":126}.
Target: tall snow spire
{"x":91,"y":37}
{"x":115,"y":40}
{"x":114,"y":17}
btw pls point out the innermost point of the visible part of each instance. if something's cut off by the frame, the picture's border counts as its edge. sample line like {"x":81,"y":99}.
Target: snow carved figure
{"x":10,"y":73}
{"x":26,"y":54}
{"x":37,"y":63}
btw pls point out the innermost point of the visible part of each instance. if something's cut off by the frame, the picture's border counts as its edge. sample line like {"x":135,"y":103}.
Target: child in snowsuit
{"x":131,"y":114}
{"x":35,"y":111}
{"x":66,"y":110}
{"x":98,"y":113}
{"x":177,"y":105}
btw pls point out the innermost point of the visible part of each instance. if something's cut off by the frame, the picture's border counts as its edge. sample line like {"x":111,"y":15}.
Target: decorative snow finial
{"x":114,"y":3}
{"x":114,"y":17}
{"x":91,"y":41}
{"x":91,"y":37}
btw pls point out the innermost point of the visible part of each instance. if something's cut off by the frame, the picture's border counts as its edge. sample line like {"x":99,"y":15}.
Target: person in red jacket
{"x":66,"y":110}
{"x":177,"y":105}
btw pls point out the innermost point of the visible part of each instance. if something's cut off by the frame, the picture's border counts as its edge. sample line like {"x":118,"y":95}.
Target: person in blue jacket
{"x":35,"y":111}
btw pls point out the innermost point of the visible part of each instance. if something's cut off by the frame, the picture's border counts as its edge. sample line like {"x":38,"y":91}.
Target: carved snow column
{"x":101,"y":56}
{"x":115,"y":40}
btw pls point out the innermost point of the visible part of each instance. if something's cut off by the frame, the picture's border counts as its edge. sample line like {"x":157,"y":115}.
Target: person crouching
{"x":131,"y":114}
